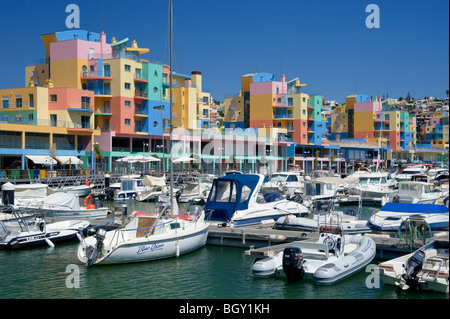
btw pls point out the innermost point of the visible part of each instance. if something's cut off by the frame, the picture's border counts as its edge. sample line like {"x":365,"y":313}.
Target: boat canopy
{"x":231,"y":193}
{"x":414,"y":208}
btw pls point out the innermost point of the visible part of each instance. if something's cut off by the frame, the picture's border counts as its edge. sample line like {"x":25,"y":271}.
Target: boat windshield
{"x":226,"y":192}
{"x":371,"y":180}
{"x":278,"y":177}
{"x":313,"y":189}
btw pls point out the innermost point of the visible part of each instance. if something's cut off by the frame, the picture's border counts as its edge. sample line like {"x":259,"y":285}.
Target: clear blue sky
{"x":325,"y":43}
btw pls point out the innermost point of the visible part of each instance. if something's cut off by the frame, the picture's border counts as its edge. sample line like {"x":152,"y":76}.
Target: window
{"x":91,"y":68}
{"x":304,"y":99}
{"x":18,"y":100}
{"x":127,"y":86}
{"x":18,"y":118}
{"x":53,"y":98}
{"x":127,"y":68}
{"x":30,"y":100}
{"x":31,"y":118}
{"x":127,"y":122}
{"x":53,"y":119}
{"x":155,"y":90}
{"x":290,"y":101}
{"x":5,"y":102}
{"x":85,"y":102}
{"x":127,"y":104}
{"x":304,"y":124}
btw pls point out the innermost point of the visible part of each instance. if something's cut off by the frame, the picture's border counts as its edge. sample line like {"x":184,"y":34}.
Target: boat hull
{"x":154,"y":247}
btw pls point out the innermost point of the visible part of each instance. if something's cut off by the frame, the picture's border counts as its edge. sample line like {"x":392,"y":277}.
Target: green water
{"x":211,"y":272}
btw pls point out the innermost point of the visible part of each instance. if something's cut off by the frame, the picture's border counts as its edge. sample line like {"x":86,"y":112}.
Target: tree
{"x":400,"y":98}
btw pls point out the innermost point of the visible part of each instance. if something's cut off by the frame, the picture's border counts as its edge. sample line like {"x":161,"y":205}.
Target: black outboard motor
{"x":413,"y":266}
{"x":293,"y":264}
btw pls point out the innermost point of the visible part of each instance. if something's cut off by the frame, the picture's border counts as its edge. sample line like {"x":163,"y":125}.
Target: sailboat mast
{"x":171,"y":97}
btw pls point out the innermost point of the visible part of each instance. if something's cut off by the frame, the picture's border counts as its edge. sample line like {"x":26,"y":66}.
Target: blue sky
{"x":324,"y":43}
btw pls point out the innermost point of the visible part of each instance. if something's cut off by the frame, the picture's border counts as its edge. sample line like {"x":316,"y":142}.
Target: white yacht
{"x":418,"y":192}
{"x":373,"y":187}
{"x":410,"y":171}
{"x":146,"y":237}
{"x":234,"y":199}
{"x":130,"y":186}
{"x":283,"y":182}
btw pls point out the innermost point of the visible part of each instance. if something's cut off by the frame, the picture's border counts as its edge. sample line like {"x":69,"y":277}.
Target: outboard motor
{"x":413,"y":266}
{"x":93,"y":252}
{"x":293,"y":264}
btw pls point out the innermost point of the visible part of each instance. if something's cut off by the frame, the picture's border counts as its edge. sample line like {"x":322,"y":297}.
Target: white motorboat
{"x":318,"y":190}
{"x":425,"y":269}
{"x":194,"y":191}
{"x":392,"y":215}
{"x":372,"y":187}
{"x":234,"y":198}
{"x":333,"y":257}
{"x":155,"y":186}
{"x":349,"y":222}
{"x":146,"y":237}
{"x":130,"y":186}
{"x":34,"y":231}
{"x":63,"y":205}
{"x":79,"y":190}
{"x":39,"y":198}
{"x":283,"y":182}
{"x":417,"y":192}
{"x":410,"y":171}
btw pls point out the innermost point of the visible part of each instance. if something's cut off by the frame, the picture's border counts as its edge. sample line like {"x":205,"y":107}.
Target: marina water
{"x":212,"y":272}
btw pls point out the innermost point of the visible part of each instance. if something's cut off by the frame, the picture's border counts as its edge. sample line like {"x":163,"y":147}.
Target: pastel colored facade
{"x":45,"y":121}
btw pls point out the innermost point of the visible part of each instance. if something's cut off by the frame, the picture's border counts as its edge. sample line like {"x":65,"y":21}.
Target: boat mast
{"x":171,"y":96}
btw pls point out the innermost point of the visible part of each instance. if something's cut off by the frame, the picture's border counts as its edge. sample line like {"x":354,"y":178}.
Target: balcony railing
{"x":89,"y":74}
{"x":103,"y":110}
{"x":17,"y":104}
{"x":139,"y":93}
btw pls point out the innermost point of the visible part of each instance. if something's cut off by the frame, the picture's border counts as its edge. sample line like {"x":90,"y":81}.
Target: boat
{"x":146,"y":237}
{"x":283,"y":182}
{"x":332,"y":258}
{"x":391,"y":216}
{"x":22,"y":232}
{"x":417,"y":192}
{"x":130,"y":186}
{"x":63,"y":205}
{"x":350,"y":222}
{"x":234,"y":199}
{"x":427,"y":269}
{"x":410,"y":171}
{"x":372,"y":187}
{"x":194,"y":192}
{"x":155,"y":186}
{"x":79,"y":190}
{"x":318,"y":190}
{"x":39,"y":198}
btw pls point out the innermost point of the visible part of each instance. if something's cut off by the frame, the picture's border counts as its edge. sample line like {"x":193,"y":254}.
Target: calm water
{"x":211,"y":272}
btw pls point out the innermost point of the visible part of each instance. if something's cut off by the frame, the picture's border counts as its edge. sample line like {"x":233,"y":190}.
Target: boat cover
{"x":414,"y":208}
{"x":229,"y":194}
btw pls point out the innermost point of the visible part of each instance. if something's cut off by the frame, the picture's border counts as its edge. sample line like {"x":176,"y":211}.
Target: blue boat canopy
{"x":414,"y":208}
{"x":229,"y":194}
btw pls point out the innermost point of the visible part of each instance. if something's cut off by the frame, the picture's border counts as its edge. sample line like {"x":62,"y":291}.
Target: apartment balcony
{"x":139,"y":94}
{"x":103,"y":110}
{"x":138,"y":77}
{"x":140,"y":112}
{"x":79,"y":126}
{"x":106,"y":128}
{"x":95,"y":75}
{"x":284,"y":116}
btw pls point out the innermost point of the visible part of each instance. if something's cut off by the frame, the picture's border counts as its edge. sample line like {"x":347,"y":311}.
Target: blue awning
{"x":414,"y":208}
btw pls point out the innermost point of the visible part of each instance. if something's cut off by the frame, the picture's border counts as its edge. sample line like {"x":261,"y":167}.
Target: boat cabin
{"x":235,"y":191}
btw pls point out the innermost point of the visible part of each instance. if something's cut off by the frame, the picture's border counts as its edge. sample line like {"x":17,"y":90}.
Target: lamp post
{"x":161,"y":149}
{"x":144,"y":145}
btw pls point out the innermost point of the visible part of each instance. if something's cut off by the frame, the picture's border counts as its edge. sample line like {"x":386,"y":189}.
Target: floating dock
{"x":263,"y":240}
